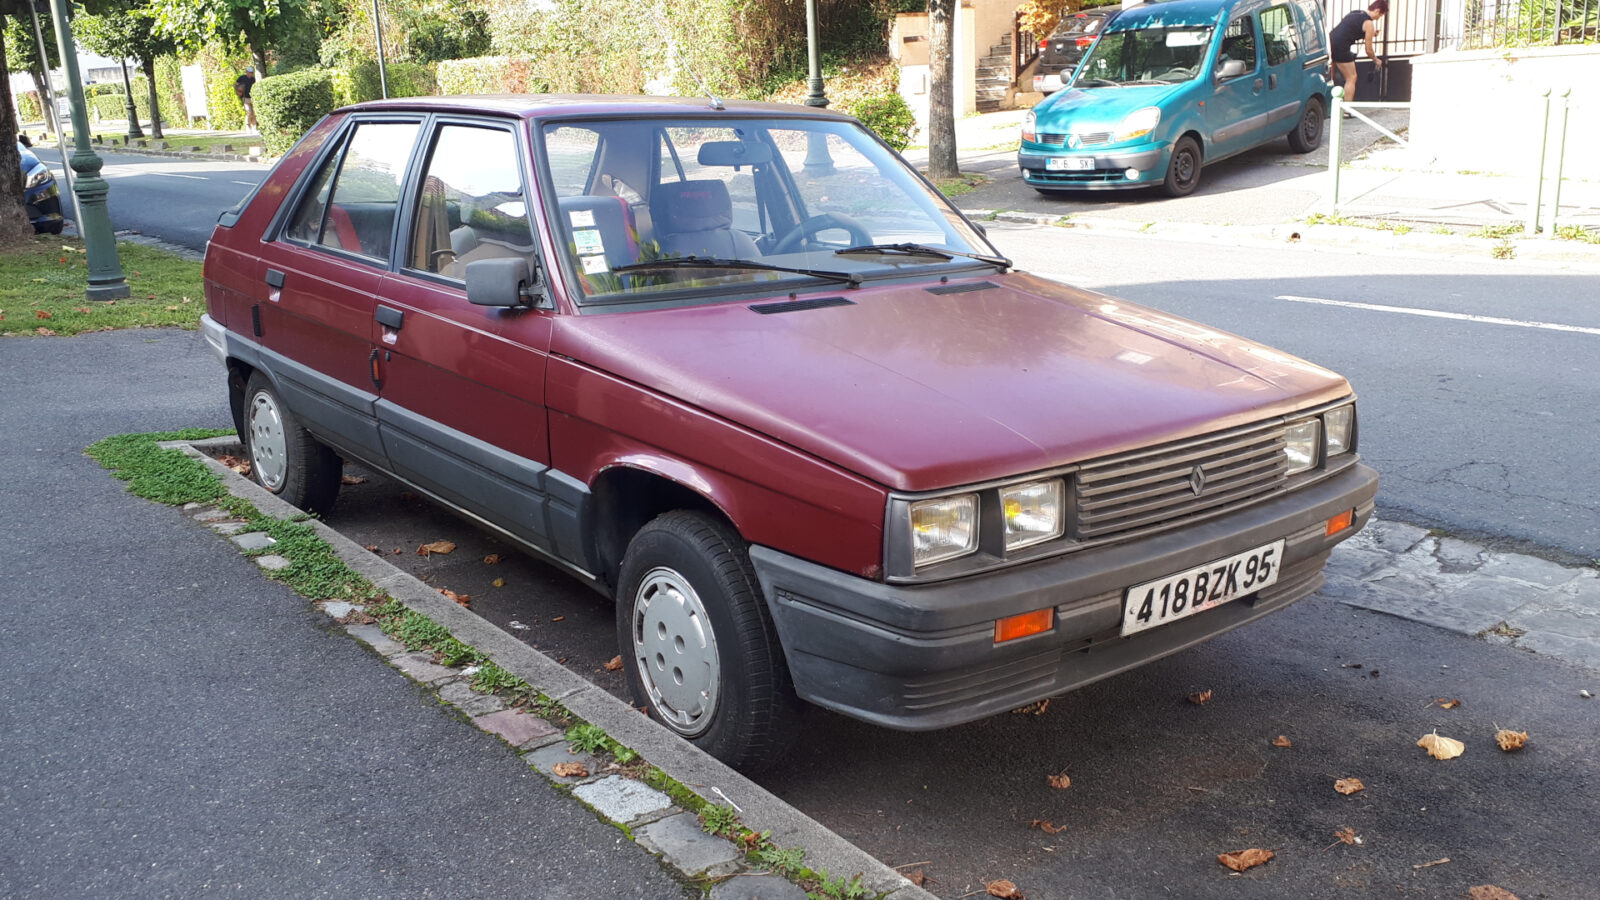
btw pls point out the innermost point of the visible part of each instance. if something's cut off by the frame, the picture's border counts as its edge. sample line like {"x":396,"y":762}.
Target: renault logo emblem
{"x":1197,"y":480}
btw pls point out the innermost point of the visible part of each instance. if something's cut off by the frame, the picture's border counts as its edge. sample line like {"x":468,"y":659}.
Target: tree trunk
{"x":47,"y":99}
{"x":149,"y":67}
{"x":14,"y":227}
{"x":941,"y":91}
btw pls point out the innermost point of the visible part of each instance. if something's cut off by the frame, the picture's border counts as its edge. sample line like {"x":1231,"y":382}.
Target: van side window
{"x":1239,"y":42}
{"x":471,"y":204}
{"x":366,"y":190}
{"x":1278,"y":33}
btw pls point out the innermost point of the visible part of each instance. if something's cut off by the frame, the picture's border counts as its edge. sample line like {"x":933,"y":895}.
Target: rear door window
{"x":1278,"y":33}
{"x":352,"y":201}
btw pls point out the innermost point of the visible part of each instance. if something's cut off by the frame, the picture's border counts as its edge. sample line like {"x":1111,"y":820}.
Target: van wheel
{"x":697,"y":642}
{"x":1183,"y":172}
{"x":284,"y":458}
{"x":1307,"y":136}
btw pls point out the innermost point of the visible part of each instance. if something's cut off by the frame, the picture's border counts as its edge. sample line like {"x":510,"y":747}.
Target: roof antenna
{"x":675,"y":56}
{"x":715,"y":103}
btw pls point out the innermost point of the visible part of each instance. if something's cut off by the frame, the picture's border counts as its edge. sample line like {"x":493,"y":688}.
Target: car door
{"x":1236,"y":112}
{"x":324,"y":277}
{"x":1280,"y":54}
{"x":461,"y":401}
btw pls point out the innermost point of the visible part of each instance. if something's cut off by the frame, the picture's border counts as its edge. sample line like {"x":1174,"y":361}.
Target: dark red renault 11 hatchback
{"x":744,"y":370}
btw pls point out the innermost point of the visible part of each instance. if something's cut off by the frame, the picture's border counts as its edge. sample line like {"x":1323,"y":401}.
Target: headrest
{"x":691,"y":206}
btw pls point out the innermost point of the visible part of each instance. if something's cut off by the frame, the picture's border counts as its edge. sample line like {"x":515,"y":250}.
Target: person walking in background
{"x":243,"y":83}
{"x":1359,"y":25}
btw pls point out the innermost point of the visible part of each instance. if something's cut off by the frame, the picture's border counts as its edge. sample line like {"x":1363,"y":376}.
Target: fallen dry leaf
{"x":463,"y":599}
{"x":918,"y":879}
{"x":1239,"y":860}
{"x":44,"y":331}
{"x":1349,"y":785}
{"x":1510,"y":740}
{"x":1047,"y":827}
{"x":374,"y":548}
{"x":1447,"y":703}
{"x":1059,"y":782}
{"x":571,"y":770}
{"x":1441,"y":747}
{"x":81,"y":309}
{"x":1003,"y":889}
{"x":42,"y":314}
{"x":352,"y":479}
{"x":1036,"y":708}
{"x":1346,"y":836}
{"x":614,"y":664}
{"x":1431,"y":863}
{"x":559,"y":619}
{"x":491,"y":559}
{"x":1200,"y":698}
{"x":1489,"y":892}
{"x":436,"y":547}
{"x":1282,"y":740}
{"x":498,"y":582}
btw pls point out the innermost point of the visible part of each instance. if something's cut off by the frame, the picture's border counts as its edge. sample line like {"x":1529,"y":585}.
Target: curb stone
{"x":696,"y":854}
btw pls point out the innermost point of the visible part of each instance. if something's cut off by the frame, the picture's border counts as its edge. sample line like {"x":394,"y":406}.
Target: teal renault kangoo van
{"x":1171,"y":87}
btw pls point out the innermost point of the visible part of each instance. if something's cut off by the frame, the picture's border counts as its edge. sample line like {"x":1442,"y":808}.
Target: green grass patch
{"x":165,"y":476}
{"x":206,"y":142}
{"x":1498,"y":232}
{"x":1579,"y":233}
{"x":965,"y":183}
{"x":42,"y":286}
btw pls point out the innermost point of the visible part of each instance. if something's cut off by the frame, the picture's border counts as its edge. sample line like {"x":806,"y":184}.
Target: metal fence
{"x":1529,"y":23}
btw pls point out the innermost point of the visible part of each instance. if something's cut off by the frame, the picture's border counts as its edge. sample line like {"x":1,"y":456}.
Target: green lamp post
{"x":106,"y":281}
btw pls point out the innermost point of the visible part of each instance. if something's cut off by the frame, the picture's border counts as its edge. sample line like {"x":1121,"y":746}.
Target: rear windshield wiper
{"x":712,"y":262}
{"x":925,"y":250}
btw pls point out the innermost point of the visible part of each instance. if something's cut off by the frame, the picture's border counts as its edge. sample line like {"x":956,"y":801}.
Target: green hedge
{"x":225,"y":112}
{"x":114,"y":106}
{"x":490,"y":75}
{"x":29,"y":109}
{"x":360,"y":83}
{"x":889,"y":116}
{"x":288,"y":105}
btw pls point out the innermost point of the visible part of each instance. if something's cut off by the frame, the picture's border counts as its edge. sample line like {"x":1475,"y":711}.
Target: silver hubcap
{"x":676,"y":651}
{"x":269,"y":447}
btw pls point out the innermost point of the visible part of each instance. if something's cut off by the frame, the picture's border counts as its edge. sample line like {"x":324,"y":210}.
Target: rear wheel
{"x":1307,"y":134}
{"x":1183,"y":172}
{"x":697,"y":642}
{"x":284,"y":458}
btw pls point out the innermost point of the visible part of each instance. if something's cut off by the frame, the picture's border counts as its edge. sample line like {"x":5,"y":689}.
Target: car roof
{"x":1181,"y":12}
{"x":535,"y":106}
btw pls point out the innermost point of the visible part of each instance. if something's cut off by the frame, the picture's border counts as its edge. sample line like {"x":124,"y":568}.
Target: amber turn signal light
{"x":1012,"y":627}
{"x":1341,"y":522}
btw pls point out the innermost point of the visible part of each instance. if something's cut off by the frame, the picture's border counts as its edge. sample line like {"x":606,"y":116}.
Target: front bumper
{"x":920,"y":657}
{"x":1110,"y":170}
{"x":44,"y":209}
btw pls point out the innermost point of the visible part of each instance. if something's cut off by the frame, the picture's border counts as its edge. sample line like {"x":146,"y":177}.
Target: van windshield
{"x":1158,"y":55}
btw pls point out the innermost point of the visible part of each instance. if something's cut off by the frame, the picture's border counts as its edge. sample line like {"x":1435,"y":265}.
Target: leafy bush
{"x":167,"y":96}
{"x":29,"y":109}
{"x":490,"y":75}
{"x":102,"y":89}
{"x":889,"y":116}
{"x":224,"y":110}
{"x":113,"y":106}
{"x":288,"y":105}
{"x":359,"y":83}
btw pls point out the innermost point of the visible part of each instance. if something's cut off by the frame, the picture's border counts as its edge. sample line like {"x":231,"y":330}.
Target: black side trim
{"x":961,"y":288}
{"x":783,"y":306}
{"x":255,"y":319}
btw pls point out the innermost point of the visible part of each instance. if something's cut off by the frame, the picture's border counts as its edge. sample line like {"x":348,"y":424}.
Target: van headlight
{"x":944,"y":528}
{"x":1032,"y":512}
{"x":1138,"y":124}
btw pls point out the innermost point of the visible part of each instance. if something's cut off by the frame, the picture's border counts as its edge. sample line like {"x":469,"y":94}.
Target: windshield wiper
{"x":925,"y":250}
{"x":712,"y":262}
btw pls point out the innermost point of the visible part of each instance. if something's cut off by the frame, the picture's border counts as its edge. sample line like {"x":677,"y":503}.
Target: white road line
{"x":1436,"y":314}
{"x":246,"y":183}
{"x":176,"y":175}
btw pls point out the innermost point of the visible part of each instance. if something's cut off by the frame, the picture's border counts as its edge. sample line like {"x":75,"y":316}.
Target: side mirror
{"x":1230,"y":68}
{"x":504,"y":282}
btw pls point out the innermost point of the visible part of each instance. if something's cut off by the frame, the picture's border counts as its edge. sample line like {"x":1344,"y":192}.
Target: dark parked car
{"x":746,"y":372}
{"x":40,"y":193}
{"x":1060,"y":53}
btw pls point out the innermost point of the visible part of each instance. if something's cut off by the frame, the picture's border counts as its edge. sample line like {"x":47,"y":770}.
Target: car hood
{"x":1086,"y":108}
{"x":29,"y":161}
{"x":921,"y":388}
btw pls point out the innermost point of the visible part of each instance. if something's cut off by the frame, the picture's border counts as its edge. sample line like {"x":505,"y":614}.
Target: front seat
{"x":693,"y":218}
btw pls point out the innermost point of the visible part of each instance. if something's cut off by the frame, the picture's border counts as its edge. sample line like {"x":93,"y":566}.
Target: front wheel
{"x":284,"y":458}
{"x":697,"y":642}
{"x":1307,"y":134}
{"x":1183,"y":172}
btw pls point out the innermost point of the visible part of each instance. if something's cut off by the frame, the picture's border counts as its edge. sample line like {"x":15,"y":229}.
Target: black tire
{"x":706,"y":662}
{"x":1307,"y":133}
{"x":1183,"y":171}
{"x":284,"y":458}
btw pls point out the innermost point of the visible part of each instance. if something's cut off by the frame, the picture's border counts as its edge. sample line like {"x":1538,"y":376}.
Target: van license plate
{"x":1199,"y":589}
{"x":1069,"y":163}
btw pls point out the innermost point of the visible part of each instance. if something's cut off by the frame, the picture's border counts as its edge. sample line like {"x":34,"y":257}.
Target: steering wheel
{"x":812,"y":226}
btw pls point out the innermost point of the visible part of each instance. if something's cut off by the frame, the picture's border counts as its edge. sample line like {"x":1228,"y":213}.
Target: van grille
{"x":1157,"y":486}
{"x":1053,"y":140}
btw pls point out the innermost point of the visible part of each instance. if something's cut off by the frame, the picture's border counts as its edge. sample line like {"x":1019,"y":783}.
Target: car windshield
{"x":685,"y":210}
{"x":1157,"y":55}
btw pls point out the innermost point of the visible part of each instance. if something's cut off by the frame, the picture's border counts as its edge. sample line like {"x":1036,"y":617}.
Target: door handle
{"x":1272,"y":82}
{"x":389,"y":317}
{"x":274,"y":278}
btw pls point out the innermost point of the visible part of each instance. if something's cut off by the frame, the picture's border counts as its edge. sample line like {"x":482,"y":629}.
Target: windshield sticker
{"x":594,"y":264}
{"x":588,"y":241}
{"x":581,"y":218}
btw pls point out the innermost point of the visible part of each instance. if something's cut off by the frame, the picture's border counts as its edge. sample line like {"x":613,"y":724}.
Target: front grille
{"x":1156,"y":487}
{"x":1094,"y":139}
{"x":1053,"y":140}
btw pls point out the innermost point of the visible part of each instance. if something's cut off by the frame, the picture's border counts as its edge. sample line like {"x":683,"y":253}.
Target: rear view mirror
{"x":1230,"y":68}
{"x":734,"y":153}
{"x":504,"y":281}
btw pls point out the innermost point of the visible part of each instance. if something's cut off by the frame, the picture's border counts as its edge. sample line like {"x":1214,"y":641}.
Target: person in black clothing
{"x":242,"y":85}
{"x":1359,"y":25}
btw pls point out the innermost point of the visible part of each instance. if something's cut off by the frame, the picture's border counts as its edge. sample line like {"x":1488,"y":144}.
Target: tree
{"x":236,"y":24}
{"x":128,"y":28}
{"x":941,"y":92}
{"x":22,"y":49}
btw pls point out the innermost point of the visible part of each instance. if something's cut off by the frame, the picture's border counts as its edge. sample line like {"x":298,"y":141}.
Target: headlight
{"x":1032,"y":513}
{"x":39,"y":176}
{"x":1137,"y":124}
{"x":944,"y":528}
{"x":1028,"y":122}
{"x":1304,"y":439}
{"x":1340,"y":425}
